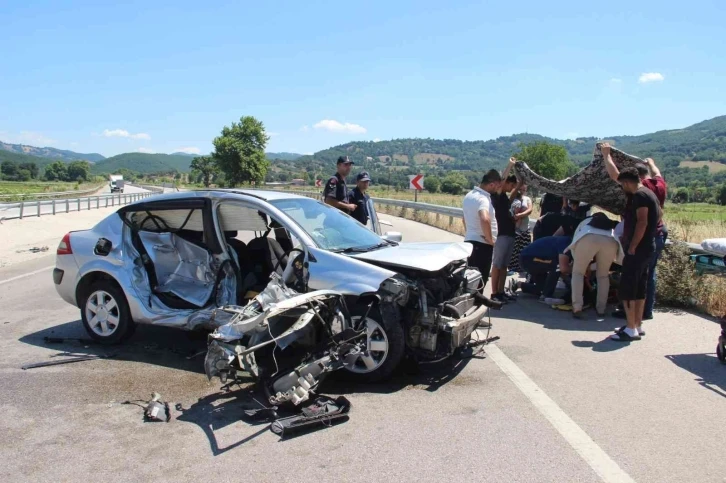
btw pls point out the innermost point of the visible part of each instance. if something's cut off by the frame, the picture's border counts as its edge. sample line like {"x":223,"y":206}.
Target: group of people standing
{"x":353,"y":202}
{"x":566,"y":242}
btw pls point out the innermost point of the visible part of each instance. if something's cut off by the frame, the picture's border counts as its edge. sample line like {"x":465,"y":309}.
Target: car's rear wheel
{"x":105,"y":313}
{"x":384,"y":348}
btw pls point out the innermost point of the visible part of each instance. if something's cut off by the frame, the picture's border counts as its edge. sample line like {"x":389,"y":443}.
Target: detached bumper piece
{"x":324,"y":411}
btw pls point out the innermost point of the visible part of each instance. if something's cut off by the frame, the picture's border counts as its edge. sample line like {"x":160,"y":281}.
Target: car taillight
{"x":64,"y":247}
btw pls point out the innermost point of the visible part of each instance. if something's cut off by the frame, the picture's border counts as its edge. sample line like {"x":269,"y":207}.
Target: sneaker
{"x":554,"y":301}
{"x":641,"y":332}
{"x":578,"y":315}
{"x":648,"y":317}
{"x":512,"y":286}
{"x":510,"y":296}
{"x":499,"y":298}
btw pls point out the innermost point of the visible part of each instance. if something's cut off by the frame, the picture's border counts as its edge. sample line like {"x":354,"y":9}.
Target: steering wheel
{"x":289,"y":270}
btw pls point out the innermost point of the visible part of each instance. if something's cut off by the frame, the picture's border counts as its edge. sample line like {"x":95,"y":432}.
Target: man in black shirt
{"x":640,"y":247}
{"x":335,"y":192}
{"x":506,"y":231}
{"x":359,"y":198}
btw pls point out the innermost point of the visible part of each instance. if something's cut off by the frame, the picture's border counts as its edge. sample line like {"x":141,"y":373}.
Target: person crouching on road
{"x":359,"y":198}
{"x":335,"y":192}
{"x":480,"y":223}
{"x":546,"y":261}
{"x":505,"y":237}
{"x":594,"y":238}
{"x":646,"y":213}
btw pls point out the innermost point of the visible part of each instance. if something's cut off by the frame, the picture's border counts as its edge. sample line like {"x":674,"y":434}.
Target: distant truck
{"x":116,"y":182}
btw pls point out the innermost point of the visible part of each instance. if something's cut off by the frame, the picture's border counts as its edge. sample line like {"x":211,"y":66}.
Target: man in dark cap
{"x":359,"y":198}
{"x":336,"y":192}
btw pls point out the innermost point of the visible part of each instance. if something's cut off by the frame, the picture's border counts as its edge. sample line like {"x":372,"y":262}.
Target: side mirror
{"x":393,"y":236}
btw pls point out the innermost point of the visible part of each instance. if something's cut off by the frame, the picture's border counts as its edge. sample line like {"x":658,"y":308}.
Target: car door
{"x":179,"y":249}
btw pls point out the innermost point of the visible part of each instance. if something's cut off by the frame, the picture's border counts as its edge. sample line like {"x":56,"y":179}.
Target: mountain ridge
{"x":51,"y":153}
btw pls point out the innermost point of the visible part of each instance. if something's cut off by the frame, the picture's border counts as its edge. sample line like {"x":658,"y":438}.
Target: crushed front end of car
{"x":285,"y":340}
{"x":439,"y":310}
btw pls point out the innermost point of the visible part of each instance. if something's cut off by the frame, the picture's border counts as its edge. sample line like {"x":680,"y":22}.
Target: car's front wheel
{"x":384,"y":349}
{"x":105,"y":313}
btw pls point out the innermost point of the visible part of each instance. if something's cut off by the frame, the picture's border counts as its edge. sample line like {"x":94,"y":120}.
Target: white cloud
{"x":308,"y":154}
{"x":145,"y":150}
{"x":650,"y":77}
{"x":376,"y":140}
{"x":305,"y":128}
{"x":189,"y":150}
{"x":335,"y":126}
{"x":616,"y":81}
{"x":123,"y":133}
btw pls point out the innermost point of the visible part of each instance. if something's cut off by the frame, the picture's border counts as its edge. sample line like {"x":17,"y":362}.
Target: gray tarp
{"x":592,"y":184}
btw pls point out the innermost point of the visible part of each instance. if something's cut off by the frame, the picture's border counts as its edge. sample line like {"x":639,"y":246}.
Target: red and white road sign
{"x":415,"y":182}
{"x":318,"y":183}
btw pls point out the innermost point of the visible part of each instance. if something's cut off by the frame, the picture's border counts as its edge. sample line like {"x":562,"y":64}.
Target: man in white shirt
{"x":480,"y":222}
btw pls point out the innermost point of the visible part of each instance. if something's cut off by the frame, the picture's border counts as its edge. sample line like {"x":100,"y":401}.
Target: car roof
{"x":267,"y":195}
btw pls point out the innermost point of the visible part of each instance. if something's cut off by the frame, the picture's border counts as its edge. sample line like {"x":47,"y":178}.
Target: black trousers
{"x":481,"y":259}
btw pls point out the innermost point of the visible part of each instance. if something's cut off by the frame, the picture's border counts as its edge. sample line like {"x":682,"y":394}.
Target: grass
{"x":713,"y":166}
{"x":18,"y":190}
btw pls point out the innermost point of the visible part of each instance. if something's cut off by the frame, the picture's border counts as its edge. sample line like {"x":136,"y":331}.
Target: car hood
{"x":430,"y":257}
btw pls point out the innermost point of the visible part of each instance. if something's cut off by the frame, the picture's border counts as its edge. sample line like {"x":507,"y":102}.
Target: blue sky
{"x":165,"y":76}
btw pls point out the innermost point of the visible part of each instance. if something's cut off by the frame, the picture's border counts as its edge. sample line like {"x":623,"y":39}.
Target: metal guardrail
{"x":152,"y":188}
{"x":52,"y":194}
{"x":24,"y":209}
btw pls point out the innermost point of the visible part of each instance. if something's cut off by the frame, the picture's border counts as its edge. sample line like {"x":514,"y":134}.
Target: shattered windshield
{"x":331,"y":229}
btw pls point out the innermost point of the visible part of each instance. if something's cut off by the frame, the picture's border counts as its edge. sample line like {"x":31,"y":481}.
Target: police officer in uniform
{"x":359,"y":198}
{"x":336,"y":192}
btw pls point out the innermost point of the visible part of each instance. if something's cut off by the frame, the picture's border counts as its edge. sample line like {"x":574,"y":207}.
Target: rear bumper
{"x":65,"y":274}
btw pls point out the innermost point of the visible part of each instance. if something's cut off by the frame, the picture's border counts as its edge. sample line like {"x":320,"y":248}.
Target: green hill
{"x":391,"y":161}
{"x":52,"y":153}
{"x":24,"y":158}
{"x":143,"y":163}
{"x":283,"y":156}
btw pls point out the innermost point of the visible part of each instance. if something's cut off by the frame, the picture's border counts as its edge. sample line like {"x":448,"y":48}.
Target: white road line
{"x":12,"y":279}
{"x":599,"y":461}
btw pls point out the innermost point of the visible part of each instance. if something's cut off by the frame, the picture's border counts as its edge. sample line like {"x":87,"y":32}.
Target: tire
{"x":720,"y":352}
{"x":379,"y":333}
{"x":113,"y":323}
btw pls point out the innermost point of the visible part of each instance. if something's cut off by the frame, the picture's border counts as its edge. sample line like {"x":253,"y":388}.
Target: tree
{"x":545,"y":159}
{"x":206,"y":166}
{"x":56,"y":171}
{"x":78,"y":171}
{"x":681,"y":196}
{"x":453,"y":184}
{"x":9,"y":170}
{"x":432,"y":184}
{"x":32,"y":168}
{"x":721,"y":198}
{"x":240,"y":151}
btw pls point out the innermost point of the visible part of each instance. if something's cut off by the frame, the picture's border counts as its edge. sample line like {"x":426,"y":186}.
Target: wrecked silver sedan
{"x":175,"y":259}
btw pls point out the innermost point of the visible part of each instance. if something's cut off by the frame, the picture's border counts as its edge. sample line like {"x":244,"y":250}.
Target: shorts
{"x":481,"y":259}
{"x":503,"y":248}
{"x":634,"y":277}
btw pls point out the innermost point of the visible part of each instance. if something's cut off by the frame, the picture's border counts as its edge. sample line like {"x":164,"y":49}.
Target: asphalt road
{"x":652,"y":408}
{"x":10,"y":210}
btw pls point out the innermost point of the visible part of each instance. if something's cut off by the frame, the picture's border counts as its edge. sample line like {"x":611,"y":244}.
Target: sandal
{"x":641,"y":332}
{"x":623,"y":336}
